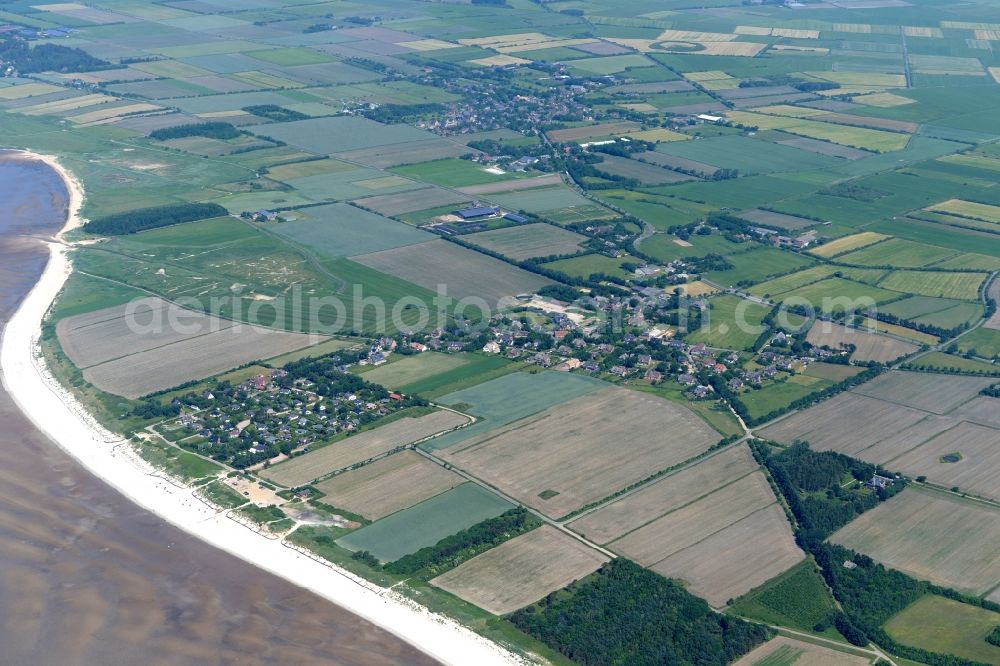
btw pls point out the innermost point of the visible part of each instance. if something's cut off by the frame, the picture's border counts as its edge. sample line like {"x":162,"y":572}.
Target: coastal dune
{"x":55,"y":412}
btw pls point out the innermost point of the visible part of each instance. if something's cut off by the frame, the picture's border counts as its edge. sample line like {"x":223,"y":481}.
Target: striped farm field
{"x":845,"y":135}
{"x":847,"y":243}
{"x":898,"y":253}
{"x":977,"y":211}
{"x":961,"y":286}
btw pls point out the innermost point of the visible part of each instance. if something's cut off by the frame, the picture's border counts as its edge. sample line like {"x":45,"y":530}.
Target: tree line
{"x":152,"y":218}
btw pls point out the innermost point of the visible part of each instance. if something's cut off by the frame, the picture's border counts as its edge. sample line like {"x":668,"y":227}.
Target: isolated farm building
{"x":475,"y":212}
{"x":878,"y":481}
{"x":709,"y":119}
{"x":515,"y":218}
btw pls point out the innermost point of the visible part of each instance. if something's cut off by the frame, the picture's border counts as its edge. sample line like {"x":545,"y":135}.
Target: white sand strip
{"x":55,"y":412}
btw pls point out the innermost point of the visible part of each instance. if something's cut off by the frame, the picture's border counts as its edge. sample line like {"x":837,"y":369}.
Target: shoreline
{"x":55,"y":412}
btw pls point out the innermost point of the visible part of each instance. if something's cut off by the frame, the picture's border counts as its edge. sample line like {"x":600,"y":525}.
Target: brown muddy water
{"x":87,"y":577}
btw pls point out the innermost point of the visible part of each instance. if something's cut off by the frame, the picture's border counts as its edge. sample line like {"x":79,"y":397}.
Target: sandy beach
{"x":55,"y":412}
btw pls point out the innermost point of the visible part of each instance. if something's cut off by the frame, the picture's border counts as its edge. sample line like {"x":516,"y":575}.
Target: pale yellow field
{"x":752,"y":30}
{"x":791,"y":48}
{"x":970,"y":25}
{"x":845,"y":135}
{"x":28,"y":90}
{"x":932,"y":536}
{"x":995,"y":73}
{"x":428,"y":45}
{"x":694,"y":36}
{"x":500,"y":61}
{"x":696,"y":521}
{"x":918,"y":31}
{"x":697,"y":288}
{"x":792,"y":111}
{"x":883,"y":100}
{"x":548,"y":44}
{"x":388,"y":485}
{"x":847,"y":243}
{"x":743,"y":49}
{"x":584,"y":449}
{"x":902,"y":331}
{"x":737,"y":559}
{"x":794,"y":33}
{"x":519,"y":38}
{"x":790,"y":652}
{"x":521,"y":571}
{"x":658,"y":134}
{"x":870,"y":79}
{"x":667,"y":494}
{"x":109,"y":114}
{"x":709,"y":75}
{"x":363,"y":446}
{"x":857,"y":28}
{"x":65,"y":105}
{"x":968,"y":209}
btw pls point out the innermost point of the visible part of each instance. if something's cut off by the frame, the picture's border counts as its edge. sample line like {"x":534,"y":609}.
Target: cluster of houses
{"x":780,"y":240}
{"x":266,"y":416}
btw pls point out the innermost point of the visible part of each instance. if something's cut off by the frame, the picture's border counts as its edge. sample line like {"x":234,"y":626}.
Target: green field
{"x":733,"y":323}
{"x":983,"y":342}
{"x":962,"y":286}
{"x":452,"y":173}
{"x":757,"y":265}
{"x":340,"y":230}
{"x":777,"y":396}
{"x":942,"y":625}
{"x":837,"y":294}
{"x":589,"y":264}
{"x":950,"y":362}
{"x":426,"y":523}
{"x":797,"y":598}
{"x":896,"y":252}
{"x":403,"y":371}
{"x":511,"y":397}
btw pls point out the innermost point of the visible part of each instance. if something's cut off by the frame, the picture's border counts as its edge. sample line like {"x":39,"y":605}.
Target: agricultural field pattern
{"x":617,"y":333}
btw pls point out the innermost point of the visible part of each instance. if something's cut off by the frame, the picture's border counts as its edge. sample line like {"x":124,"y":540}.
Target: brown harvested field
{"x":512,"y":185}
{"x":975,"y":473}
{"x":696,"y":521}
{"x":825,"y":148}
{"x":521,"y":571}
{"x":672,"y":162}
{"x":846,"y":423}
{"x":466,"y":273}
{"x":121,"y":330}
{"x":869,"y":346}
{"x":921,"y":390}
{"x":592,"y":131}
{"x":584,"y":449}
{"x":388,"y":485}
{"x":408,"y":202}
{"x":897,"y":443}
{"x":735,"y":560}
{"x":666,"y":494}
{"x":982,"y":410}
{"x":790,"y":652}
{"x":993,"y":292}
{"x":192,"y":358}
{"x":528,"y":241}
{"x":933,"y":536}
{"x":866,"y":121}
{"x":411,"y":152}
{"x":363,"y":446}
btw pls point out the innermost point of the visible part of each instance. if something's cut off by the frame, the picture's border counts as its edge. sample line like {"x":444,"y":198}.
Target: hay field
{"x":410,"y":369}
{"x":735,"y":560}
{"x":847,"y":243}
{"x":928,"y":392}
{"x":664,"y":495}
{"x":975,"y":472}
{"x":780,"y":220}
{"x":192,"y":358}
{"x":592,"y":131}
{"x":529,"y":241}
{"x":694,"y":522}
{"x":869,"y":346}
{"x":363,"y":446}
{"x":584,"y":449}
{"x":425,"y":524}
{"x":846,"y":423}
{"x":785,"y":651}
{"x":500,"y":61}
{"x":512,"y":185}
{"x":388,"y":485}
{"x":933,"y":536}
{"x":109,"y":333}
{"x":521,"y":571}
{"x":391,"y":205}
{"x":977,"y":211}
{"x":338,"y":230}
{"x":878,"y":141}
{"x":465,"y":273}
